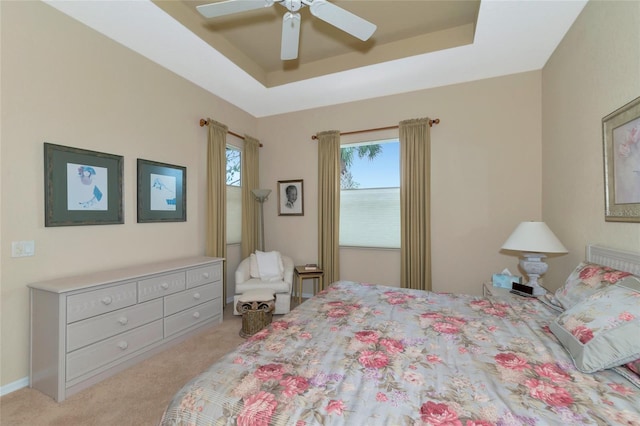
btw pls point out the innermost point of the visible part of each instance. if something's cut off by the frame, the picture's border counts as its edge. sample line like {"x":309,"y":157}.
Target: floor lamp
{"x":261,"y":196}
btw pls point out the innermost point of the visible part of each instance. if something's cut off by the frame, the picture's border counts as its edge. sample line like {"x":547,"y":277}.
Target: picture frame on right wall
{"x":621,"y":140}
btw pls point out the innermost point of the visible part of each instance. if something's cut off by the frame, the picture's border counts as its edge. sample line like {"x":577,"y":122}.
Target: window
{"x":234,"y":195}
{"x":370,"y":194}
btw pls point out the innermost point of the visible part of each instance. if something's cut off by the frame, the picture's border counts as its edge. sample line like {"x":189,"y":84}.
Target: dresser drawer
{"x":159,"y":286}
{"x":83,"y":333}
{"x":203,"y":275}
{"x":87,"y":359}
{"x":192,"y":297}
{"x":96,"y":302}
{"x":193,"y":316}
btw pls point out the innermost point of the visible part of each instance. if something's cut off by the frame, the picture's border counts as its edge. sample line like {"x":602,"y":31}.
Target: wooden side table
{"x":302,"y":274}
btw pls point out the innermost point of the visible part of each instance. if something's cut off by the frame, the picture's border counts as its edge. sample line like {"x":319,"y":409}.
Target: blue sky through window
{"x":381,"y":172}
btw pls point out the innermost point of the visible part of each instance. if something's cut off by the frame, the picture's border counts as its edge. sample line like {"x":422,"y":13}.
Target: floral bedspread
{"x":359,"y":354}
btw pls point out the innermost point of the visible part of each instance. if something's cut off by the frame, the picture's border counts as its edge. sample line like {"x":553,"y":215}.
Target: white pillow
{"x":253,"y":266}
{"x":270,"y":265}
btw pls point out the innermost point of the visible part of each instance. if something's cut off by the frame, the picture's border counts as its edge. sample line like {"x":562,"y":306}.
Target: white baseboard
{"x":12,"y":387}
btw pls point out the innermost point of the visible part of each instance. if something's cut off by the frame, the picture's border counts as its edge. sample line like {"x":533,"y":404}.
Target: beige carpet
{"x":136,"y":396}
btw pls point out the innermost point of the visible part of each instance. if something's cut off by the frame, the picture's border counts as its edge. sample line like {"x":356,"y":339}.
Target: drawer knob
{"x":196,"y":314}
{"x":107,"y":300}
{"x":205,"y":275}
{"x":123,"y":320}
{"x":123,"y":345}
{"x":164,"y":285}
{"x":196,"y":296}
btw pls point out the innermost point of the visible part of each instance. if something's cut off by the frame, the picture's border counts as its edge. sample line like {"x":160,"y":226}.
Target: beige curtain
{"x":250,"y":211}
{"x":329,"y":205}
{"x":217,"y":196}
{"x":415,"y":229}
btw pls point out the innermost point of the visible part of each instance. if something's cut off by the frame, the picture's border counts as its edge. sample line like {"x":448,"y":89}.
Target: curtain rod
{"x":204,"y":122}
{"x":353,"y":132}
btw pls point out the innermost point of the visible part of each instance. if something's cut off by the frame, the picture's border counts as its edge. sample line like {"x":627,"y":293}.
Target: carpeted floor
{"x":136,"y":396}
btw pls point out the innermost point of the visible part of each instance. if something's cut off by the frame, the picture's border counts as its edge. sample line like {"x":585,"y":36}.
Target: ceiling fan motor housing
{"x":292,"y":5}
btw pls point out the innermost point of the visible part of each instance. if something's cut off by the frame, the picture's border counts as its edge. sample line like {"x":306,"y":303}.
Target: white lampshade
{"x":534,"y":237}
{"x":261,"y":194}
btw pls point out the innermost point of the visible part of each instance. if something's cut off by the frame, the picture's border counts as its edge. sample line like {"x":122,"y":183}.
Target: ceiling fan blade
{"x":342,"y":19}
{"x":228,"y":7}
{"x":290,"y":36}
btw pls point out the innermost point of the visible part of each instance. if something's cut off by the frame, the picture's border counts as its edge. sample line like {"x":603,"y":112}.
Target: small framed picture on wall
{"x":162,"y":192}
{"x":290,"y":198}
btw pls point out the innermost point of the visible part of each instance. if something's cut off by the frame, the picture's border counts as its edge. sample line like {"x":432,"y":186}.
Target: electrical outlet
{"x":23,"y":248}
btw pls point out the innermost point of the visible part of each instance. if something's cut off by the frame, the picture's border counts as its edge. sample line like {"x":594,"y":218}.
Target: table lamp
{"x":534,"y":239}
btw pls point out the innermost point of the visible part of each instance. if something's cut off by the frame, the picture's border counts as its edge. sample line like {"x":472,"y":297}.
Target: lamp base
{"x":534,"y":266}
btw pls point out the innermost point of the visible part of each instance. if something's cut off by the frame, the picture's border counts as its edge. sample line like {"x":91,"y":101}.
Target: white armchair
{"x":282,"y":288}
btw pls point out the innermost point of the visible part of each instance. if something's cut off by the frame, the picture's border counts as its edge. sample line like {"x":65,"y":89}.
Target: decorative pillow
{"x":628,"y":374}
{"x":634,"y":366}
{"x":585,"y":280}
{"x":253,"y":266}
{"x":602,"y":331}
{"x":270,"y":265}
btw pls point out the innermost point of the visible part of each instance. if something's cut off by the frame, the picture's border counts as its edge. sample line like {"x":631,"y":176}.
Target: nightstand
{"x":301,"y":274}
{"x":489,"y":290}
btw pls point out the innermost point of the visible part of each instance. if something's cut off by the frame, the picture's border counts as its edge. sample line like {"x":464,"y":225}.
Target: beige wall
{"x":594,"y":71}
{"x":485,"y":155}
{"x":64,"y":83}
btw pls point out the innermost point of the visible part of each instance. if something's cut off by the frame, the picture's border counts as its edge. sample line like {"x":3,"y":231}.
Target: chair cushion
{"x":257,"y":284}
{"x":262,"y":295}
{"x":270,"y":265}
{"x":253,"y":266}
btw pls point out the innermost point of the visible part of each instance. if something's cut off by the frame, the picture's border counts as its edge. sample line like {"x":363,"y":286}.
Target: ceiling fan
{"x":322,"y":9}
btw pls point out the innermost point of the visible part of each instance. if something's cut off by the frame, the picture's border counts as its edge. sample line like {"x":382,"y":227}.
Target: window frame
{"x":234,"y":228}
{"x":372,"y":139}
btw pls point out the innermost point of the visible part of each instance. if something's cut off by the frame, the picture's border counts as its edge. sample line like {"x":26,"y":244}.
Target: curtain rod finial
{"x":203,"y":122}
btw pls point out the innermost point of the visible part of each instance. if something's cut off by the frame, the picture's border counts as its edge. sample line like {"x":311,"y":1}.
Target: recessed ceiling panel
{"x":252,"y":39}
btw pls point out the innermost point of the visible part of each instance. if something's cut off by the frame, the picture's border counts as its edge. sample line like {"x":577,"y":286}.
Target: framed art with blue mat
{"x":82,"y":187}
{"x":162,"y":192}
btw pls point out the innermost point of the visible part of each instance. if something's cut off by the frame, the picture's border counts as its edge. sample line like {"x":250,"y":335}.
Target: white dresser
{"x":87,"y":328}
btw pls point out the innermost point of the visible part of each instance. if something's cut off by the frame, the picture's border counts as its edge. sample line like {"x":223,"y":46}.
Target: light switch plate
{"x":23,"y":248}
